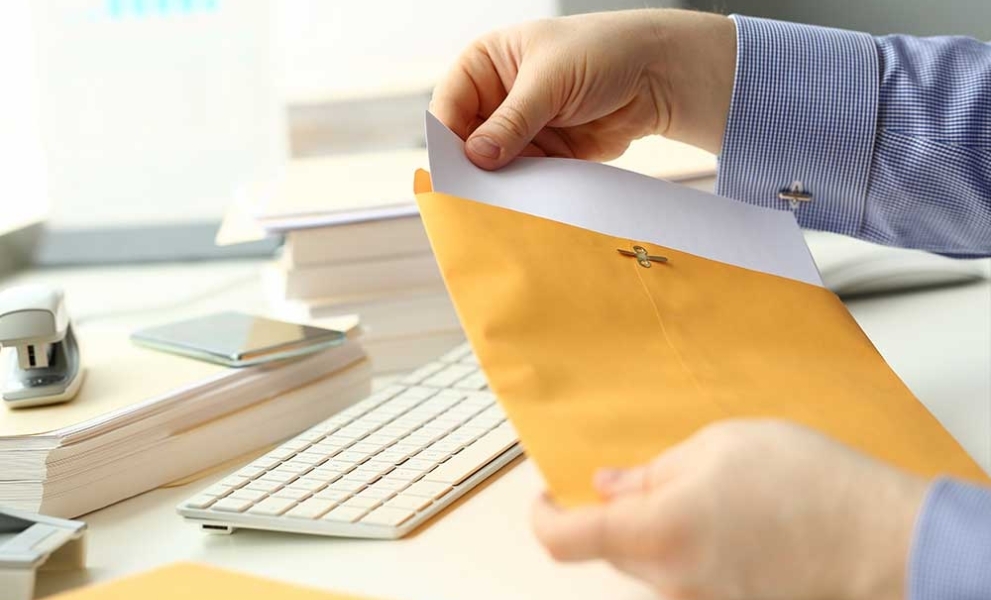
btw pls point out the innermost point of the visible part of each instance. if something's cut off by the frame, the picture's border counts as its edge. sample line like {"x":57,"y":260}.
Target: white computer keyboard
{"x":377,"y":469}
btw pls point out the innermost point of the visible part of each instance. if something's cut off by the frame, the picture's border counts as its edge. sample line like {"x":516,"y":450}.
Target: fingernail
{"x":484,"y":146}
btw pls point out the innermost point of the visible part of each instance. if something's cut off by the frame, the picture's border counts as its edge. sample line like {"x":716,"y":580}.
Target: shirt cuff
{"x":951,"y":553}
{"x":802,"y":118}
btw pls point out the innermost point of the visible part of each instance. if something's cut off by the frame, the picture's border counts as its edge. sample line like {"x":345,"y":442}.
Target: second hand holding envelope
{"x":605,"y":350}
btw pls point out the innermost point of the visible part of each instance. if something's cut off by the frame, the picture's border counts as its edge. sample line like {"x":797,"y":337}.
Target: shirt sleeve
{"x":951,"y":550}
{"x":889,"y":138}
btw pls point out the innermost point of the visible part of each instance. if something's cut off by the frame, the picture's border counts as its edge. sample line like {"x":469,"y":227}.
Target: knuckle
{"x":511,"y":119}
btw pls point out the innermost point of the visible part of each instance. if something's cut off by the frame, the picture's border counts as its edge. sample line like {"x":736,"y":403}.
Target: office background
{"x":325,"y":47}
{"x":917,"y":17}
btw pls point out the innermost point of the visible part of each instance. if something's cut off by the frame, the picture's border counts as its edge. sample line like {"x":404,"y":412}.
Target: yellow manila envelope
{"x":190,"y":581}
{"x":606,"y":358}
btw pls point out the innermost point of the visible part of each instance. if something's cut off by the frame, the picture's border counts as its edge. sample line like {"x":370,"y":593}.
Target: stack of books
{"x":144,"y":419}
{"x":354,"y":244}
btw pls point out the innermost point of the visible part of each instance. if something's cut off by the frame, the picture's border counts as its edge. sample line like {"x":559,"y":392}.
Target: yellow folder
{"x":605,"y":358}
{"x":189,"y":581}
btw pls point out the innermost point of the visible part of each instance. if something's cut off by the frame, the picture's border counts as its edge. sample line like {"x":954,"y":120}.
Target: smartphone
{"x":236,"y":339}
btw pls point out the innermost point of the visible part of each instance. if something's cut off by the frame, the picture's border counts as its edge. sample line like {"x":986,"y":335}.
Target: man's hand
{"x":749,"y":510}
{"x":586,"y":86}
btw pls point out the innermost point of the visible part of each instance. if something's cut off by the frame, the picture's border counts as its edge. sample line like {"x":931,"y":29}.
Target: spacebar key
{"x":460,"y":466}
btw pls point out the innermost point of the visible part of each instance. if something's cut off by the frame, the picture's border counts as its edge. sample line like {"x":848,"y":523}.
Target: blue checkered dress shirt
{"x":890,"y":137}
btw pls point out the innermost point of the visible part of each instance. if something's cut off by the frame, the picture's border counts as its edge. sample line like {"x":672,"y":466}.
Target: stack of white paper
{"x":145,"y":418}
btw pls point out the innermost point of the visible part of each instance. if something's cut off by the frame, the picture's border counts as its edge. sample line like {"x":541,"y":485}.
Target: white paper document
{"x":625,"y":204}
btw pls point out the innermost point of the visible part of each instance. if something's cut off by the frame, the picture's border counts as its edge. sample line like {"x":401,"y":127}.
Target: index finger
{"x":469,"y":92}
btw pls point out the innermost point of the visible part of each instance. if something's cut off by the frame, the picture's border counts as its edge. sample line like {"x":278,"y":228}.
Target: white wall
{"x":335,"y":48}
{"x":23,"y":188}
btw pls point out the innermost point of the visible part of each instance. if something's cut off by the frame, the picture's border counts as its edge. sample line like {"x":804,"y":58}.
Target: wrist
{"x":696,"y":67}
{"x":885,"y":529}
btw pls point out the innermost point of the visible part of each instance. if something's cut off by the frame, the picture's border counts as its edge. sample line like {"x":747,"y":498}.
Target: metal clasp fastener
{"x":642,"y":257}
{"x":794,"y":194}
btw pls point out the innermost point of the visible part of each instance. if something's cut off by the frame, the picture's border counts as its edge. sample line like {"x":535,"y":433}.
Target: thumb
{"x":528,"y":107}
{"x":612,"y":483}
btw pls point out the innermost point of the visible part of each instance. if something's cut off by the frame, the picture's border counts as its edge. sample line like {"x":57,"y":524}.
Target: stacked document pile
{"x":355,"y":245}
{"x":144,"y":419}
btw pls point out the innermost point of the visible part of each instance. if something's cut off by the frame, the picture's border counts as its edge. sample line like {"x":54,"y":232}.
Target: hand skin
{"x":748,"y":510}
{"x":586,"y":86}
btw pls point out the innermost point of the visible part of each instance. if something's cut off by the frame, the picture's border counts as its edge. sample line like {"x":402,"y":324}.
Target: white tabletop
{"x":938,"y":341}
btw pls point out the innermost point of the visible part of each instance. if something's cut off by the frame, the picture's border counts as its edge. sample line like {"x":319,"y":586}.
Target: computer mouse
{"x":851,"y":267}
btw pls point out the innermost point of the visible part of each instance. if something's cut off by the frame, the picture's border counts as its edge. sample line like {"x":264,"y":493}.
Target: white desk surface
{"x":938,"y":341}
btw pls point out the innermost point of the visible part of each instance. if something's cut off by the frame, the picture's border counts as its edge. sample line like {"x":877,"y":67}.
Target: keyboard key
{"x":333,"y":495}
{"x":408,"y":502}
{"x":418,"y":464}
{"x":338,"y":465}
{"x":311,"y":509}
{"x":251,"y":496}
{"x":427,"y":489}
{"x":345,"y":514}
{"x":335,"y":443}
{"x":409,"y":474}
{"x":312,"y":436}
{"x":281,"y":453}
{"x":457,"y":355}
{"x":390,"y":517}
{"x":266,"y":462}
{"x":367,"y":447}
{"x":218,"y":490}
{"x":232,"y":505}
{"x":475,"y":382}
{"x":348,"y":486}
{"x":474,"y":457}
{"x":433,"y":456}
{"x":448,"y":376}
{"x":296,"y":445}
{"x":325,"y":475}
{"x":250,"y":471}
{"x":362,"y":502}
{"x":235,"y":481}
{"x":415,"y":395}
{"x":360,"y":478}
{"x":308,"y":485}
{"x":352,"y":457}
{"x":312,"y":456}
{"x":295,"y":495}
{"x":264,"y":485}
{"x":373,"y":468}
{"x":272,"y":507}
{"x":280,"y":477}
{"x":376,"y":492}
{"x":289,"y":470}
{"x":201,"y":501}
{"x":423,"y":372}
{"x":393,"y":485}
{"x":447,"y":446}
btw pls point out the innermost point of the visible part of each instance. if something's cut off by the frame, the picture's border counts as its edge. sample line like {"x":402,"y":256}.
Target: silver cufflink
{"x":794,"y":194}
